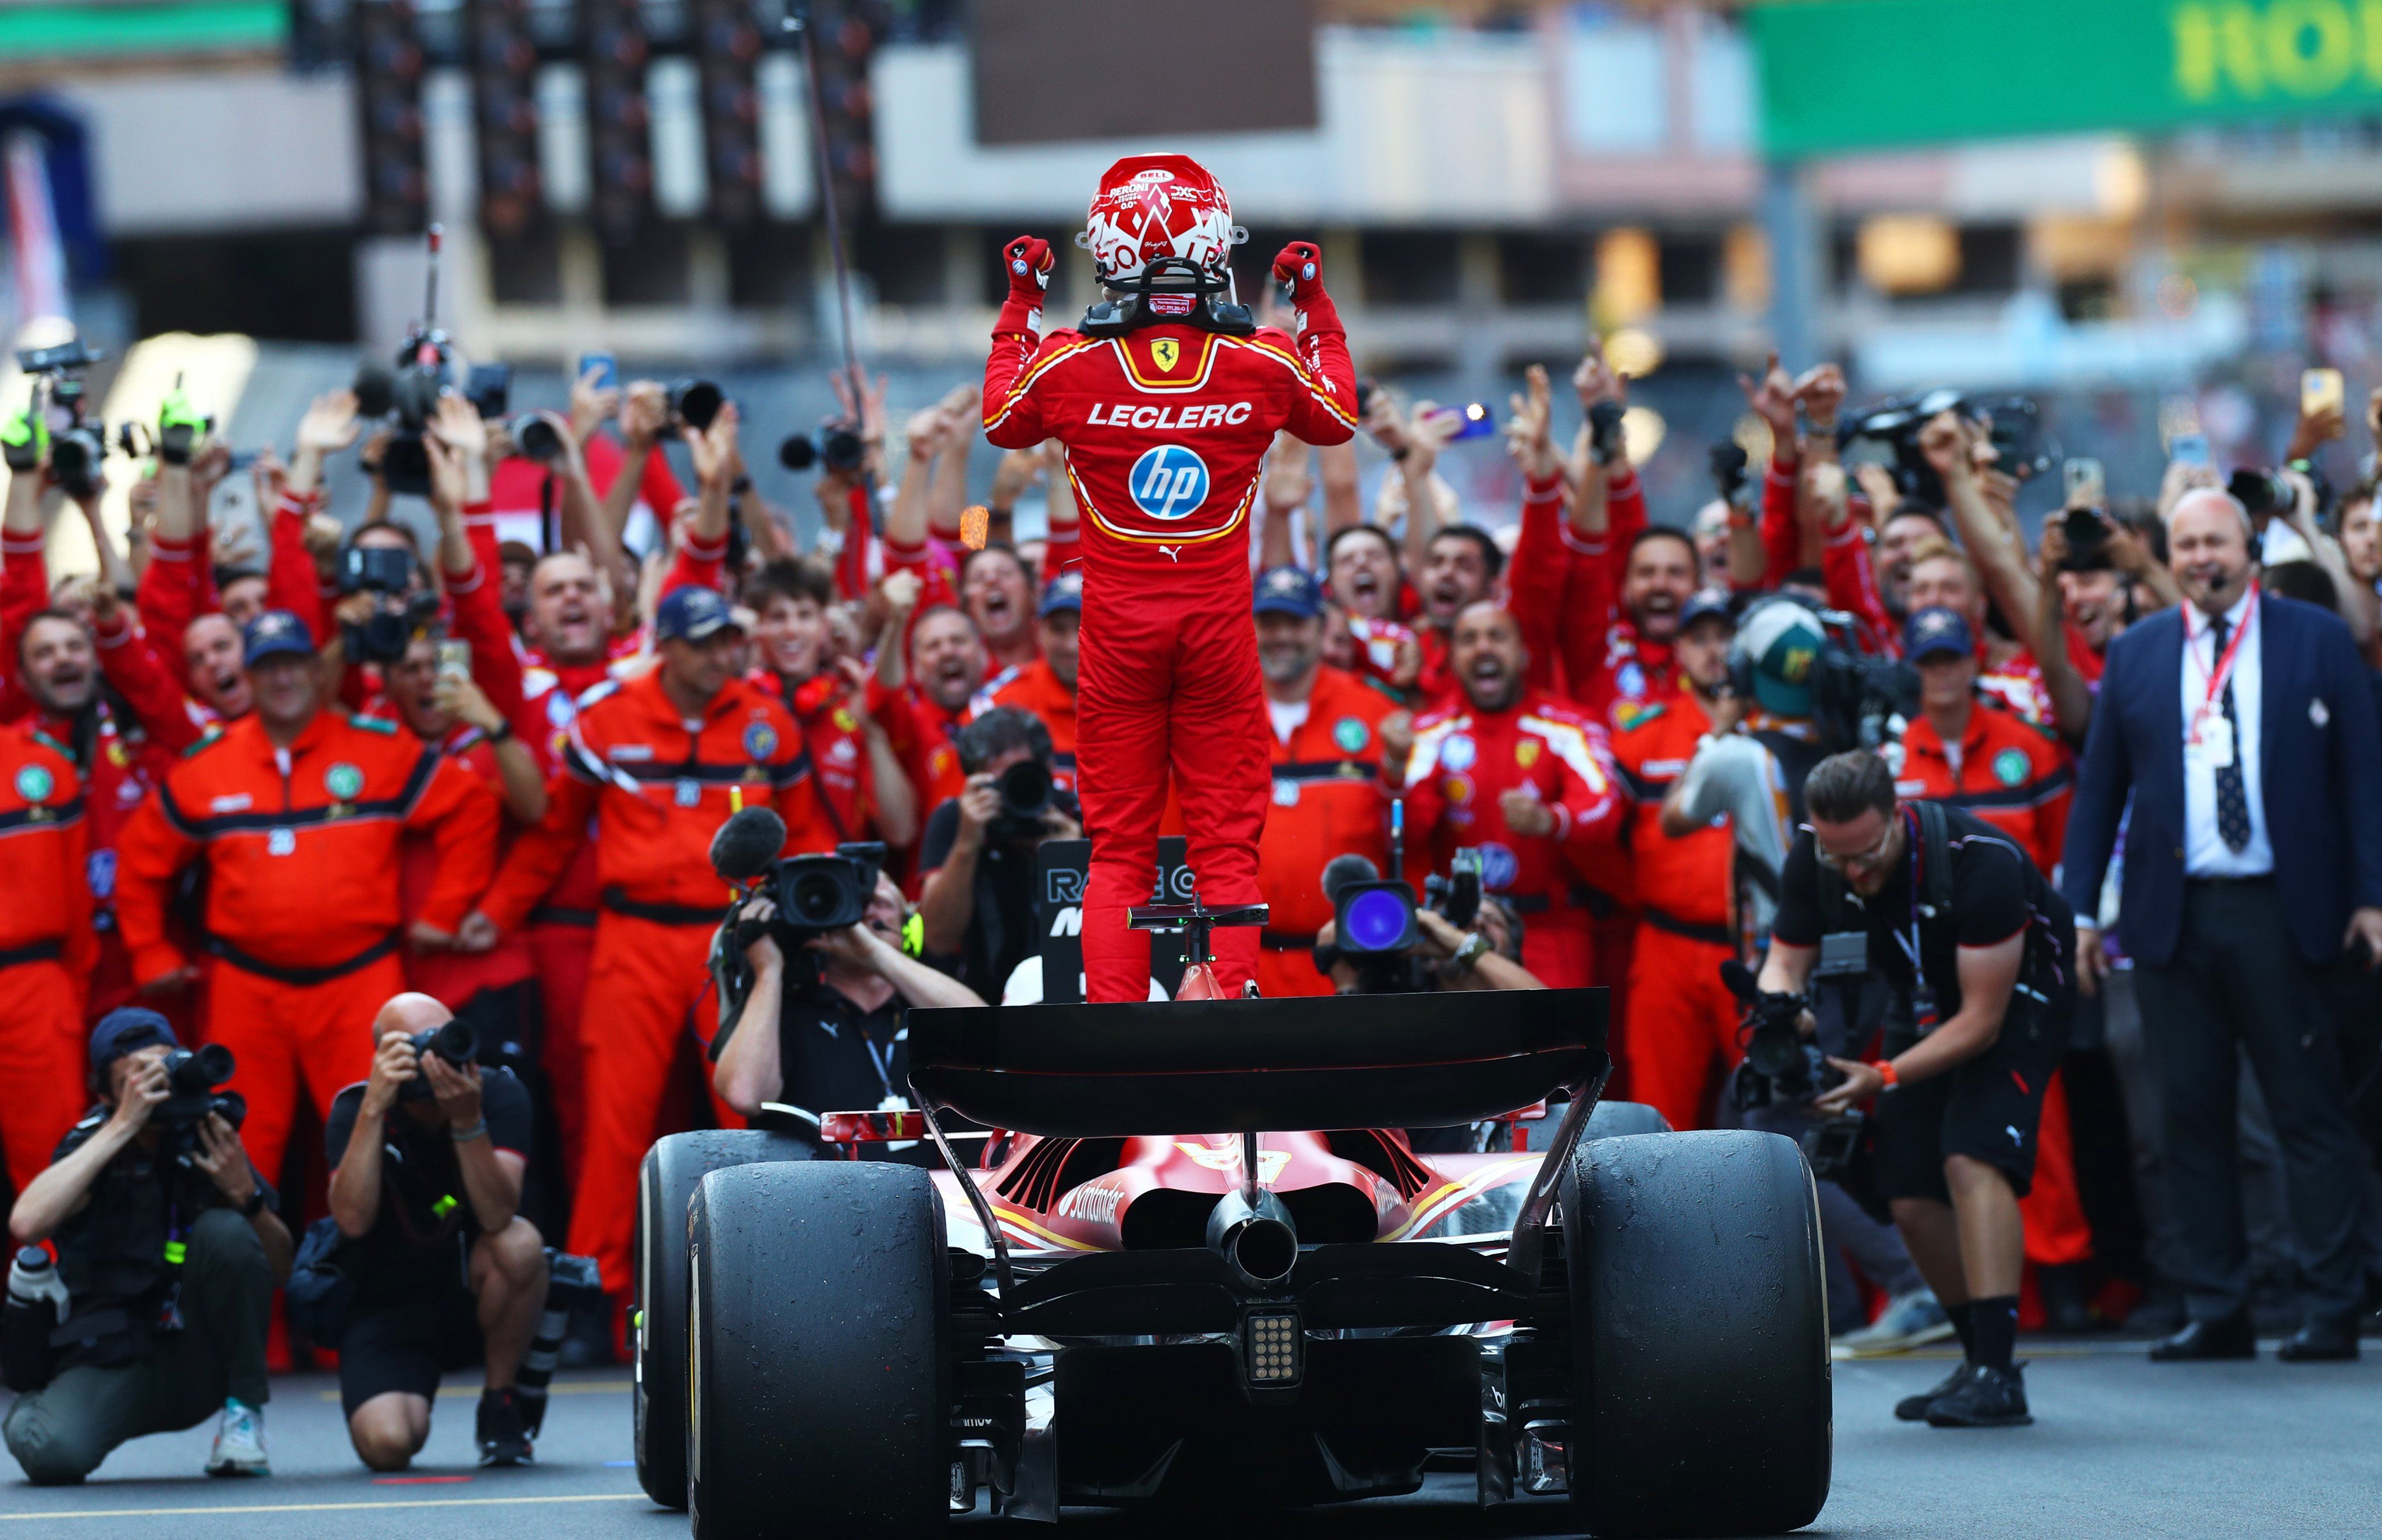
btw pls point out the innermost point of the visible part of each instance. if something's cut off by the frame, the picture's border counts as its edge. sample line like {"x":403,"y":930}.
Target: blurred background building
{"x":2150,"y":213}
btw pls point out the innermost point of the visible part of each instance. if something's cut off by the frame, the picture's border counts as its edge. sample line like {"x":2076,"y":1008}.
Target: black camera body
{"x":387,"y":573}
{"x":695,"y":402}
{"x":1374,"y":924}
{"x":2014,"y":423}
{"x":78,"y":441}
{"x":193,"y":1076}
{"x":836,"y":447}
{"x":409,"y":393}
{"x":815,"y":894}
{"x":1026,"y":789}
{"x":455,"y":1042}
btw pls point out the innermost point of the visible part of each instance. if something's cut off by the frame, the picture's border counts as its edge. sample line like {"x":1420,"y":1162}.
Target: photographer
{"x":1975,"y":944}
{"x":169,"y":1250}
{"x":426,"y":1160}
{"x":1486,"y":956}
{"x":977,"y":856}
{"x":863,"y":981}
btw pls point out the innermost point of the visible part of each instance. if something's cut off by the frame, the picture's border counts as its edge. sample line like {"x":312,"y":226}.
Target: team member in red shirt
{"x":921,"y":718}
{"x":864,"y":792}
{"x":1166,"y":406}
{"x":46,"y":948}
{"x":1330,"y":788}
{"x":1681,"y":1022}
{"x":1524,"y":779}
{"x":995,"y":590}
{"x":657,"y":764}
{"x":298,"y":814}
{"x":1047,"y":687}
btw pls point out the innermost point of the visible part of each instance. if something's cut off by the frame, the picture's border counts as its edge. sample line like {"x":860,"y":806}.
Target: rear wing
{"x":1379,"y":1061}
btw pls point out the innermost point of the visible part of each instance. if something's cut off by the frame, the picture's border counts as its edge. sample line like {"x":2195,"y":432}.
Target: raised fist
{"x":1029,"y":262}
{"x":1300,"y":265}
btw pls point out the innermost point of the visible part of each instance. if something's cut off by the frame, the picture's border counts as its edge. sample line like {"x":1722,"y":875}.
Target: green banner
{"x":1839,"y":74}
{"x":83,"y":30}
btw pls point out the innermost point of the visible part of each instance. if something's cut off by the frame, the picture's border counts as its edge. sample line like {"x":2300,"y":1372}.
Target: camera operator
{"x":976,"y":903}
{"x":1976,"y":945}
{"x":426,"y":1160}
{"x":169,"y":1250}
{"x":828,"y":1037}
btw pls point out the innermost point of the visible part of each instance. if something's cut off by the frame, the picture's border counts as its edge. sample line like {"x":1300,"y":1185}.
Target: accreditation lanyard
{"x":2206,"y":731}
{"x":1923,"y":999}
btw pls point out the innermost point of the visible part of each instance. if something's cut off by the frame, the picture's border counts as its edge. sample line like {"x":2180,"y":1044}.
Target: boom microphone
{"x":746,"y":844}
{"x":1344,"y":869}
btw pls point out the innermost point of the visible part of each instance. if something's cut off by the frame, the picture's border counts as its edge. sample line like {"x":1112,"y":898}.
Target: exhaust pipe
{"x":1258,"y":1240}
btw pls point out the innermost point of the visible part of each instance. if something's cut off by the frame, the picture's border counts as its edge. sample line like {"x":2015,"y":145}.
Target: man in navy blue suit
{"x":2243,"y":728}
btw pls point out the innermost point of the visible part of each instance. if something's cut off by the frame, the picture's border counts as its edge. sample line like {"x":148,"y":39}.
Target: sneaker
{"x":1914,"y":1409}
{"x":1909,"y":1321}
{"x":240,"y":1443}
{"x":504,"y":1436}
{"x":1988,"y":1398}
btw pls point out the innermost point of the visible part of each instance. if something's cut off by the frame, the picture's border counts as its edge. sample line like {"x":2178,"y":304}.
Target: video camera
{"x":694,"y":402}
{"x":2267,"y":495}
{"x":1855,"y":696}
{"x":60,"y":410}
{"x":1784,"y":1068}
{"x":2014,"y":423}
{"x":455,"y":1042}
{"x":1374,"y":924}
{"x":426,"y":367}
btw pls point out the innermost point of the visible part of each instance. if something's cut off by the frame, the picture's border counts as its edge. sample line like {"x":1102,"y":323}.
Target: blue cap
{"x":127,"y":1029}
{"x":693,"y":613}
{"x":1706,"y":604}
{"x":1064,"y":592}
{"x":1289,"y":591}
{"x":1936,"y":629}
{"x":275,"y":634}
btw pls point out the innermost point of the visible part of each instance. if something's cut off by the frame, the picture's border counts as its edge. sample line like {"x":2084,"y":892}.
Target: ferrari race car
{"x":1292,"y":1307}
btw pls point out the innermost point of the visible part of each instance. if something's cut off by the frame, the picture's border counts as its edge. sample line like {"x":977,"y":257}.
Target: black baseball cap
{"x":127,"y":1029}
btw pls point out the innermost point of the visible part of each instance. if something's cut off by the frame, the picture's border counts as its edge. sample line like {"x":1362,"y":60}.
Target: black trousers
{"x":2238,"y":978}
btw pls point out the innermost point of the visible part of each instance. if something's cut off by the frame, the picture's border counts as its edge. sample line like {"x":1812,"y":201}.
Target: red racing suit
{"x":1464,"y":761}
{"x":1164,"y":430}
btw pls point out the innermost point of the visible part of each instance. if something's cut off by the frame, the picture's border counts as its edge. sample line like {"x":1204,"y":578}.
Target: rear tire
{"x":1621,"y":1119}
{"x":1699,"y":1325}
{"x":819,"y":1335}
{"x":665,"y":1185}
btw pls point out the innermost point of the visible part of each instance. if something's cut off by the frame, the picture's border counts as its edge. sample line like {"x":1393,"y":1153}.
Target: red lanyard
{"x":2224,"y":664}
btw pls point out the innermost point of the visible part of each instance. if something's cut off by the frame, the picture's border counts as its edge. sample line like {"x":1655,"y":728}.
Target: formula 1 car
{"x":1100,"y":1310}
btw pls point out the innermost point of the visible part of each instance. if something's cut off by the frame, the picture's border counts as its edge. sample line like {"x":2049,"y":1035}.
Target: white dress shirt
{"x":2205,"y":853}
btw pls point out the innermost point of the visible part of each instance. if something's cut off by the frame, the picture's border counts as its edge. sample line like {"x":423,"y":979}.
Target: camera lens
{"x":695,"y":402}
{"x":797,"y":452}
{"x":534,"y":436}
{"x":1026,"y":789}
{"x":215,"y":1061}
{"x":814,"y":897}
{"x":1376,"y":923}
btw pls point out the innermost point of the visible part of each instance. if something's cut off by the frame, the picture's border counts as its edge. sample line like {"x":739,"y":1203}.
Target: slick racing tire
{"x":665,"y":1185}
{"x":1700,"y":1326}
{"x":1620,"y":1119}
{"x":819,"y":1325}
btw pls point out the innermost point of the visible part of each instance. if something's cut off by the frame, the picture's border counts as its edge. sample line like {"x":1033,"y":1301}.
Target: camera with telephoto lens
{"x":836,"y":446}
{"x":2265,"y":494}
{"x":2022,"y":448}
{"x":400,"y":610}
{"x":1025,"y":788}
{"x":1374,"y":924}
{"x":694,"y":402}
{"x":426,"y":367}
{"x":455,"y":1042}
{"x":1784,"y":1068}
{"x":534,"y":438}
{"x":78,"y":441}
{"x":815,"y":894}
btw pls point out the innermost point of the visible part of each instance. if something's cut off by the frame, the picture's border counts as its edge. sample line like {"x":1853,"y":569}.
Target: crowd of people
{"x":302,"y":792}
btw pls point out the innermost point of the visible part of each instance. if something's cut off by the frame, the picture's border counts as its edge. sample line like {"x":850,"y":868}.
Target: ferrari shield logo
{"x":1525,"y":753}
{"x":1166,"y":352}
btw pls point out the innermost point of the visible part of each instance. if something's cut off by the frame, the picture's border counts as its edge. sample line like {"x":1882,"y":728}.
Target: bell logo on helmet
{"x":1169,"y":481}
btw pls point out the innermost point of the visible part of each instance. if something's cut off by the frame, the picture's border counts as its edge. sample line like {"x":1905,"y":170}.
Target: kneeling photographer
{"x":978,"y":854}
{"x":821,"y":1029}
{"x":1974,"y":944}
{"x":168,"y":1251}
{"x":426,"y":1161}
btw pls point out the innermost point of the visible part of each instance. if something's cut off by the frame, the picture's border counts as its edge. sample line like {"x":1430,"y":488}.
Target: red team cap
{"x":1152,"y":206}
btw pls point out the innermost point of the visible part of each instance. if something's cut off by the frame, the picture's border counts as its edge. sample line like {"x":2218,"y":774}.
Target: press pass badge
{"x":281,"y":842}
{"x":690,"y":793}
{"x":2211,"y":740}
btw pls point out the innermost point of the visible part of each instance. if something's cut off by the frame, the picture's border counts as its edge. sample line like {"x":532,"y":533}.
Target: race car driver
{"x":1165,"y":403}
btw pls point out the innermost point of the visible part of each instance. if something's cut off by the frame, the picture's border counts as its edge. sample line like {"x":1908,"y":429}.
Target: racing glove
{"x":1300,"y":266}
{"x":1028,"y":261}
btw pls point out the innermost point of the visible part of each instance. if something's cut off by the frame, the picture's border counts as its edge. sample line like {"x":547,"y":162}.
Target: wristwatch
{"x":498,"y":735}
{"x":1466,"y":957}
{"x":255,"y":1204}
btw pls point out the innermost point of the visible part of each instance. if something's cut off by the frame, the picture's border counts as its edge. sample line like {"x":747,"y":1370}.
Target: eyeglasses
{"x":1865,"y":859}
